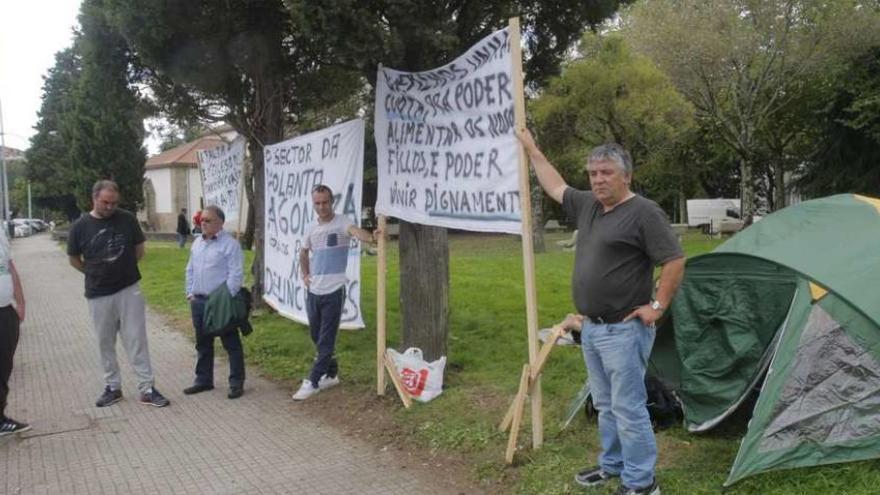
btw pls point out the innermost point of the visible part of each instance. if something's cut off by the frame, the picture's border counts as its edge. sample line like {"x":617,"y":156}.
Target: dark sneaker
{"x":235,"y":392}
{"x":10,"y":426}
{"x":153,"y":398}
{"x":197,"y":388}
{"x":109,"y":397}
{"x":654,"y":489}
{"x":594,"y":476}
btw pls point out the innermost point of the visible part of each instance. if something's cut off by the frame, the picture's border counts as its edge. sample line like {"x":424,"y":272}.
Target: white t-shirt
{"x":329,"y":244}
{"x":6,"y":288}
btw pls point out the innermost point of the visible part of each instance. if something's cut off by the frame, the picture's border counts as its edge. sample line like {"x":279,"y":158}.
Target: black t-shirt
{"x":616,"y":252}
{"x":107,"y":246}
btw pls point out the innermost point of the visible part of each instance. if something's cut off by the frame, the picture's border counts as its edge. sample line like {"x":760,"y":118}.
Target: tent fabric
{"x":820,"y":403}
{"x":832,"y":241}
{"x":788,"y":305}
{"x":722,"y":349}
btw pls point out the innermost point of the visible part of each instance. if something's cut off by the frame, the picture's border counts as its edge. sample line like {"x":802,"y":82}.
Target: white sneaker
{"x":306,"y":390}
{"x":328,"y":382}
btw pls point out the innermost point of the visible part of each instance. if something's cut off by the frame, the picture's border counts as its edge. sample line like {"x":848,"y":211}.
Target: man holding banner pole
{"x":323,"y":260}
{"x":621,"y":237}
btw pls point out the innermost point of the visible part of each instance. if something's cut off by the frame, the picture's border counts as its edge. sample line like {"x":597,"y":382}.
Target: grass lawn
{"x":487,"y":348}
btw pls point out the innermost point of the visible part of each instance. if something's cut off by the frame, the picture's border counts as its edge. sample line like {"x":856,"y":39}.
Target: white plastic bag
{"x":421,"y":379}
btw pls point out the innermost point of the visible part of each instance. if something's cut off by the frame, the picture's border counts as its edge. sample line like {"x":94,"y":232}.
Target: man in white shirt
{"x":328,"y":240}
{"x":12,"y":309}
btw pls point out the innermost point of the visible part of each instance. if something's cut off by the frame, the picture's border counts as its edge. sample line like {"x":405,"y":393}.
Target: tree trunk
{"x":424,"y":288}
{"x":747,"y":185}
{"x":537,"y":217}
{"x":267,"y":128}
{"x":682,"y":205}
{"x":247,"y":237}
{"x":778,"y":185}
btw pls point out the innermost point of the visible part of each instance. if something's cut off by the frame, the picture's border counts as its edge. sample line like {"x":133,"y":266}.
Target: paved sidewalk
{"x":261,"y":443}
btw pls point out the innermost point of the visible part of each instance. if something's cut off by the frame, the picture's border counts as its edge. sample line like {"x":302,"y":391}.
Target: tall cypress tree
{"x":105,"y":125}
{"x":49,"y":167}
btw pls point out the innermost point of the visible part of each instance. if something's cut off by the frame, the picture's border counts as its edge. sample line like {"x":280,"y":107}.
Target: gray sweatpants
{"x":122,"y":313}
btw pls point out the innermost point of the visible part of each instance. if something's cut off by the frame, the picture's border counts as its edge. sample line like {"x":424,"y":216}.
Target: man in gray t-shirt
{"x":621,"y":238}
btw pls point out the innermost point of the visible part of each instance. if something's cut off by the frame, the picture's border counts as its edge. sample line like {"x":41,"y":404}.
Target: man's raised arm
{"x":549,"y":178}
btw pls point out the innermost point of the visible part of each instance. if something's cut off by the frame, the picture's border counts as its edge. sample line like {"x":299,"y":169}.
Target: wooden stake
{"x":381,"y":274}
{"x":527,"y":243}
{"x":395,"y":379}
{"x":533,"y":375}
{"x":545,"y":352}
{"x":519,"y":405}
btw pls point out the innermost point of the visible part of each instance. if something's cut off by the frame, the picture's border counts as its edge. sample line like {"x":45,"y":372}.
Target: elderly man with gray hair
{"x":215,"y":263}
{"x":621,"y":237}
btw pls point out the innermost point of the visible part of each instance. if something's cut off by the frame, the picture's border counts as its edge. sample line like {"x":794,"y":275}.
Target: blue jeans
{"x":324,"y":313}
{"x":617,"y":355}
{"x":205,"y":348}
{"x":181,"y":239}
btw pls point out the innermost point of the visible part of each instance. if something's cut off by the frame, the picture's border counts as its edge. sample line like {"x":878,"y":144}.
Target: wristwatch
{"x":656,"y":306}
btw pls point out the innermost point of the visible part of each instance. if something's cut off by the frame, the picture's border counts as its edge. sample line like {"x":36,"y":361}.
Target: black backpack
{"x":663,"y":406}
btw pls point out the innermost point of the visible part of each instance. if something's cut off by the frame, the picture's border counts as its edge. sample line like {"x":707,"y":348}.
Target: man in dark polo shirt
{"x":105,"y":245}
{"x":621,"y":238}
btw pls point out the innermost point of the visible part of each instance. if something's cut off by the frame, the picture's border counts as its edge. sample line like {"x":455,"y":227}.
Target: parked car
{"x":37,"y":225}
{"x":22,"y":227}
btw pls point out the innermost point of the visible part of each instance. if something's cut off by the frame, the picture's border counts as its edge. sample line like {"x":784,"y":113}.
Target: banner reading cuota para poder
{"x":447,"y":153}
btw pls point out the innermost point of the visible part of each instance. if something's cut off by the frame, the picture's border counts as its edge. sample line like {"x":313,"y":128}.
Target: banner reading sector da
{"x":446,"y":149}
{"x":334,"y":157}
{"x":222,"y":168}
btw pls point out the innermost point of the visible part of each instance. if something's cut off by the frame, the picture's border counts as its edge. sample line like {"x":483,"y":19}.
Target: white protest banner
{"x":447,"y":153}
{"x":222,"y":169}
{"x":333,"y":157}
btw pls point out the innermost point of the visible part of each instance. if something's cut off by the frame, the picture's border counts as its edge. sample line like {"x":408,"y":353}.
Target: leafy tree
{"x":611,"y":94}
{"x":105,"y":124}
{"x":849,"y":143}
{"x":414,"y":35}
{"x":741,"y":63}
{"x":242,"y":62}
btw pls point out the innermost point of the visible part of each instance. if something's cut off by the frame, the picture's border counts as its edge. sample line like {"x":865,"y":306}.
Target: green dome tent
{"x":791,"y":305}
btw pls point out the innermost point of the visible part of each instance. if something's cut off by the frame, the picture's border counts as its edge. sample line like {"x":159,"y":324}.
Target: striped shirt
{"x":329,"y":244}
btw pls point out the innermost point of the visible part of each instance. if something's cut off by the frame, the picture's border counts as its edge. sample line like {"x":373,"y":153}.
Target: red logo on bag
{"x":414,"y":381}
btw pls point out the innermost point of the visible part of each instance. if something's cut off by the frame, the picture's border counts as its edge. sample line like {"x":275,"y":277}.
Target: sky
{"x":31,"y":32}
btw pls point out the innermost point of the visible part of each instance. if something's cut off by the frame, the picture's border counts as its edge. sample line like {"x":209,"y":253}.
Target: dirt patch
{"x":369,"y":418}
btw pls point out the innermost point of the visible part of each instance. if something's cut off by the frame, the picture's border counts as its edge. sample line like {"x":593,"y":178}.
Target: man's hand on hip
{"x":647,"y":314}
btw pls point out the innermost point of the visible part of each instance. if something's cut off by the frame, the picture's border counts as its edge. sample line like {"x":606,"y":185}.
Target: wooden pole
{"x":395,"y":379}
{"x":518,"y":404}
{"x":381,"y":275}
{"x":527,"y":245}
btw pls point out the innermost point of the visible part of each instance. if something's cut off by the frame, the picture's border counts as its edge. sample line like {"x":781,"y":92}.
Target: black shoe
{"x":235,"y":392}
{"x":109,"y":397}
{"x":653,"y":489}
{"x":594,"y":476}
{"x":153,"y":398}
{"x":10,"y":426}
{"x":197,"y":388}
